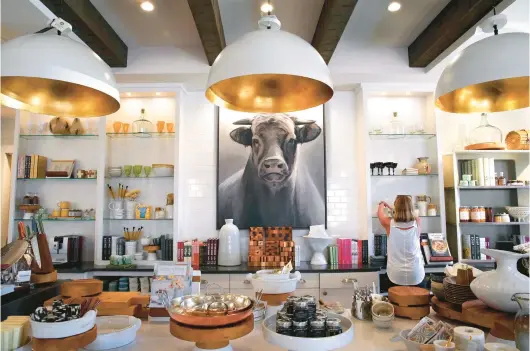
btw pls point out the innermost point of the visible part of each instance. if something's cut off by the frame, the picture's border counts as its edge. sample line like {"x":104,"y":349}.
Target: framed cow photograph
{"x":271,"y":168}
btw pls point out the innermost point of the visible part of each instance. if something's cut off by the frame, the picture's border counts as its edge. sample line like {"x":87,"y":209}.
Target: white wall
{"x":198,"y":171}
{"x":8,"y":129}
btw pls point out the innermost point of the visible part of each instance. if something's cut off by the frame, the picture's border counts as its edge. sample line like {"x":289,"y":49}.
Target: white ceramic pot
{"x":318,"y":245}
{"x":496,"y":288}
{"x":274,"y":286}
{"x":229,"y":245}
{"x":42,"y":330}
{"x":115,"y":331}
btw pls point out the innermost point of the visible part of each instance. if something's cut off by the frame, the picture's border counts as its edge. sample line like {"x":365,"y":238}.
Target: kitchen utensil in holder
{"x":362,"y":302}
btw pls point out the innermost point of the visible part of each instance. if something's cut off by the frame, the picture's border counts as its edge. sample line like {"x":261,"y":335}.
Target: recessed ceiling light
{"x":147,"y":6}
{"x":266,"y":7}
{"x":394,"y":6}
{"x":157,"y":93}
{"x":128,"y":94}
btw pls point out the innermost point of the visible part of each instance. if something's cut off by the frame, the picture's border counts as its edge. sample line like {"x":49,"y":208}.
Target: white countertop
{"x":366,"y":337}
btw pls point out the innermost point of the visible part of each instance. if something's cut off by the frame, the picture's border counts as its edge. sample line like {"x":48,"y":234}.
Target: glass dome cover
{"x":142,"y":126}
{"x":485,"y":133}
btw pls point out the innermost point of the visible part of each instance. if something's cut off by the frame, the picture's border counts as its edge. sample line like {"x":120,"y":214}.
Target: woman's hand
{"x":384,"y":204}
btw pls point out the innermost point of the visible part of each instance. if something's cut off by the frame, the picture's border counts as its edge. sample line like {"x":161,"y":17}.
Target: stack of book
{"x":410,"y":171}
{"x":481,"y":169}
{"x":380,"y":242}
{"x":166,"y":247}
{"x":198,"y":253}
{"x":333,"y":254}
{"x":344,"y":251}
{"x":471,"y":245}
{"x":31,"y":166}
{"x":435,"y":249}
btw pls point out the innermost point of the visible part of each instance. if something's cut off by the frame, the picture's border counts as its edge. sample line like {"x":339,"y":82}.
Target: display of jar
{"x":464,"y":214}
{"x":475,"y":214}
{"x":311,"y":305}
{"x":160,"y":213}
{"x":485,"y":133}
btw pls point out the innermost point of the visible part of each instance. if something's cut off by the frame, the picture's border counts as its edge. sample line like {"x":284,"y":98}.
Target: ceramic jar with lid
{"x":475,"y":214}
{"x":464,"y":214}
{"x":431,"y":210}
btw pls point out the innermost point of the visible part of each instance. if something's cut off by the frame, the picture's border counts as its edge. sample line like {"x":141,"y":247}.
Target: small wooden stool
{"x":409,"y":301}
{"x":216,"y":338}
{"x":65,"y":344}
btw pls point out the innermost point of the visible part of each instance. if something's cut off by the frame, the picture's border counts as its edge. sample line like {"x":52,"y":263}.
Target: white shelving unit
{"x":98,"y":149}
{"x":515,"y":164}
{"x":414,"y":104}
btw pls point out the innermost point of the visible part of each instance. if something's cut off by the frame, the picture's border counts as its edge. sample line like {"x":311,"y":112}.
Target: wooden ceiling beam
{"x":208,"y":22}
{"x":90,"y":26}
{"x":331,"y":24}
{"x":457,"y":17}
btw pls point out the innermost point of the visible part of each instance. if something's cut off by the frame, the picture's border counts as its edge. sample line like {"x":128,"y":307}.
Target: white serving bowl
{"x":115,"y":172}
{"x":519,"y":213}
{"x":42,"y":330}
{"x":267,"y":274}
{"x":162,"y":171}
{"x":275,"y":286}
{"x":304,"y":344}
{"x":114,"y":331}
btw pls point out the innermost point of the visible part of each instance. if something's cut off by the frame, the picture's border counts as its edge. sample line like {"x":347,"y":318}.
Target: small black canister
{"x":289,"y":304}
{"x":301,"y":312}
{"x":317,"y":328}
{"x":333,"y":327}
{"x":311,"y":305}
{"x":284,"y":327}
{"x":300,"y":329}
{"x":321,"y":314}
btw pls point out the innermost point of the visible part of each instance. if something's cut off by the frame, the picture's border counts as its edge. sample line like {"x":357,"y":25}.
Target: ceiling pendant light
{"x":269,"y":70}
{"x":490,"y":75}
{"x":55,"y":75}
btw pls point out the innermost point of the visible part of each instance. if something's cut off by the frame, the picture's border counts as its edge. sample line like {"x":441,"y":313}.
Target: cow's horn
{"x":244,"y":122}
{"x":301,"y":122}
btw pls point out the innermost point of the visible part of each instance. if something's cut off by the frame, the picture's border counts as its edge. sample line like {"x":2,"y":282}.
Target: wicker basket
{"x":517,"y":140}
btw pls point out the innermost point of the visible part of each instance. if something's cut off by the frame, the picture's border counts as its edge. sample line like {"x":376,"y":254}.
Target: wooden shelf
{"x":492,"y":223}
{"x":57,"y":136}
{"x":500,"y":187}
{"x":405,"y":176}
{"x":81,"y":179}
{"x":59,"y":219}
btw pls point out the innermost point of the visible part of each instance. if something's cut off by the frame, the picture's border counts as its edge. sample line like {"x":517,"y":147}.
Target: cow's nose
{"x":274,"y":165}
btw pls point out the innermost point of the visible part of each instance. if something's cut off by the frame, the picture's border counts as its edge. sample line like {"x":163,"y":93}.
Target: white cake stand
{"x":293,"y":343}
{"x":318,"y":245}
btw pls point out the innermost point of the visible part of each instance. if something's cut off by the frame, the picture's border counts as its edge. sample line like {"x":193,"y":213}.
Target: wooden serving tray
{"x":82,"y":287}
{"x":65,"y":344}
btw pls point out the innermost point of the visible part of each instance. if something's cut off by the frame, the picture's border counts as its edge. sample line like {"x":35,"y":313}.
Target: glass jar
{"x":464,"y":214}
{"x":321,"y":314}
{"x":26,"y":200}
{"x":505,"y":218}
{"x":142,"y":125}
{"x":498,"y":218}
{"x":475,"y":214}
{"x":396,"y":126}
{"x":300,"y":329}
{"x":333,"y":327}
{"x":289,"y":304}
{"x":301,"y":310}
{"x":522,"y":321}
{"x":431,"y":210}
{"x":485,"y":132}
{"x":160,"y":213}
{"x":317,"y":328}
{"x":482,"y":213}
{"x":35,"y":199}
{"x":283,"y":326}
{"x":311,"y":305}
{"x":489,"y":214}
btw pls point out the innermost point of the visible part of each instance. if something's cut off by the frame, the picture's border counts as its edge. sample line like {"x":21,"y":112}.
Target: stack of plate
{"x":455,"y":293}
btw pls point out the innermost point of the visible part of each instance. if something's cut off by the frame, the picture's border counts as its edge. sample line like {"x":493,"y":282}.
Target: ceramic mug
{"x":64,"y":212}
{"x":63,"y":204}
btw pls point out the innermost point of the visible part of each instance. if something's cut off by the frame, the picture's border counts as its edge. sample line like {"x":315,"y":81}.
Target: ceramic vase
{"x":229,"y":245}
{"x":496,"y":288}
{"x":423,"y":166}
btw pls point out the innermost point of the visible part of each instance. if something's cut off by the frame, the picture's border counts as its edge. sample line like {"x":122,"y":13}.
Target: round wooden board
{"x":485,"y":146}
{"x":70,"y":343}
{"x":44,"y":278}
{"x":81,"y":288}
{"x":211,"y":338}
{"x":275,"y":299}
{"x":408,"y":296}
{"x":415,"y":312}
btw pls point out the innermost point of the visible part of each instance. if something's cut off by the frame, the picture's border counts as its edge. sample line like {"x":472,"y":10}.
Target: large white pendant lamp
{"x":269,"y":70}
{"x":52,"y":74}
{"x":490,"y":75}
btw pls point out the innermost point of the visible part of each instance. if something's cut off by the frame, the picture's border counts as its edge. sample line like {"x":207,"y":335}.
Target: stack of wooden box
{"x":270,"y":247}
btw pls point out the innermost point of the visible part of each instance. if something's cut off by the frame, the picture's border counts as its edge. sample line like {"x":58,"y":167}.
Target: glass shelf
{"x":493,"y":223}
{"x":69,"y":179}
{"x":59,"y":219}
{"x":140,"y":178}
{"x":498,"y":187}
{"x":469,"y":261}
{"x":127,"y":219}
{"x":140,"y":135}
{"x":401,"y":136}
{"x":404,"y":176}
{"x":58,"y":136}
{"x":438,"y":216}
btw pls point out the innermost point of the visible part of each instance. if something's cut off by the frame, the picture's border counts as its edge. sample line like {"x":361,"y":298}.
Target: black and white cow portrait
{"x":274,"y":187}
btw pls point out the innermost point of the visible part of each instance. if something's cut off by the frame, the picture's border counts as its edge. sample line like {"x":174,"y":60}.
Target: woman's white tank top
{"x":405,"y":262}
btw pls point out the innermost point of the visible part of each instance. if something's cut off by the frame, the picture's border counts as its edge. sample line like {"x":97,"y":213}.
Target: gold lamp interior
{"x":56,"y":97}
{"x":493,"y":96}
{"x":269,"y":93}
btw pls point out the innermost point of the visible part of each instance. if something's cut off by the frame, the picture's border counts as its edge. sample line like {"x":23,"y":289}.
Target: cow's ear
{"x":242,"y":135}
{"x":307,"y":133}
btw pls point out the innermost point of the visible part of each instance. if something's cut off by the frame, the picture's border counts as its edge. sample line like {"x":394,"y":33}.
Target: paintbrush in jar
{"x":111,"y":192}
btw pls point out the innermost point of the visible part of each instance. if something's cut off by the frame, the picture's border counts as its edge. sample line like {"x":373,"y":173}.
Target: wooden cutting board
{"x":81,"y":287}
{"x":408,"y":296}
{"x":412,"y":312}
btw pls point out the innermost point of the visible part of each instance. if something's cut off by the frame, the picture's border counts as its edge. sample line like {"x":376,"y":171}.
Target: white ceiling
{"x":164,"y":45}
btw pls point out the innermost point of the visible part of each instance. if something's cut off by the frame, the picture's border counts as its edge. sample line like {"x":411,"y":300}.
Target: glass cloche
{"x":485,"y":133}
{"x":396,"y":126}
{"x":142,"y":127}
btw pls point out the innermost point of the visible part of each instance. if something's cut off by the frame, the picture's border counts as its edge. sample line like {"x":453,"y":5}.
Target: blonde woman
{"x":404,"y":261}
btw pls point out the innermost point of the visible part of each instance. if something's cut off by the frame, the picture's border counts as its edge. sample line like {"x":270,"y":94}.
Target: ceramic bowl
{"x":268,"y":274}
{"x":42,"y":330}
{"x":161,"y":170}
{"x":115,"y":171}
{"x":275,"y":286}
{"x":114,"y":331}
{"x":139,"y":256}
{"x":519,"y":213}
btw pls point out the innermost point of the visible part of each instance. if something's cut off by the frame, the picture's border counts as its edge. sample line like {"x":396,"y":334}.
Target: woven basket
{"x":517,"y":140}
